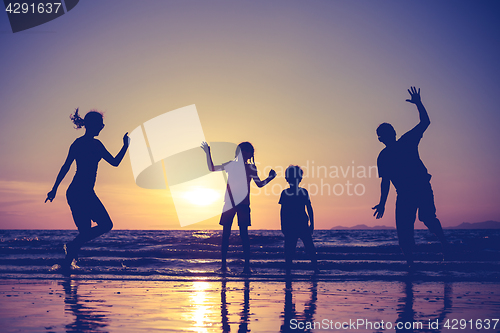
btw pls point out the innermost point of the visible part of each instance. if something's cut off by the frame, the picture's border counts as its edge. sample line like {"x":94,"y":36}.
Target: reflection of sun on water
{"x":201,"y":308}
{"x":201,"y":196}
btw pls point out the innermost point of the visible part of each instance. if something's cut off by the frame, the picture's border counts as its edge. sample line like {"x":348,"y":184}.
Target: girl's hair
{"x":92,"y":117}
{"x":246,"y":147}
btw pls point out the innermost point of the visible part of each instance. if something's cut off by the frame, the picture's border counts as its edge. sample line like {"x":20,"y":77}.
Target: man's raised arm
{"x":424,"y":117}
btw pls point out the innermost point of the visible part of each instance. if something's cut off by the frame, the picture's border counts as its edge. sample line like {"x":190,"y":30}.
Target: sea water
{"x":188,"y":254}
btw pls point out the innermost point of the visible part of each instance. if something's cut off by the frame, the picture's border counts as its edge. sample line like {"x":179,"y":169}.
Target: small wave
{"x":197,"y":253}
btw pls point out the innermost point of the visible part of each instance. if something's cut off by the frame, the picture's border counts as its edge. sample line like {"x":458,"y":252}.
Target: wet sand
{"x":68,"y":305}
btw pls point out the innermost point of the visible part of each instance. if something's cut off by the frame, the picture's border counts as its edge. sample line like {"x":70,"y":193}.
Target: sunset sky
{"x":306,"y":82}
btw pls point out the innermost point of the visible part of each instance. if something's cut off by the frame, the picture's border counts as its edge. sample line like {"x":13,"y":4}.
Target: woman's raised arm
{"x":115,"y":161}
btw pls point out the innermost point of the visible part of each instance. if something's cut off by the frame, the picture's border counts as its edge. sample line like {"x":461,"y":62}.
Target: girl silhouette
{"x":84,"y":203}
{"x":245,"y":151}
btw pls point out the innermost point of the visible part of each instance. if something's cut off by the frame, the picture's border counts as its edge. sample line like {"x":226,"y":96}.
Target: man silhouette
{"x":400,"y":163}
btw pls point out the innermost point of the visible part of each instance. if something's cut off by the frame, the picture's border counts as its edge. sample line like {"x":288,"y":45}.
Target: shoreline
{"x":262,"y":270}
{"x":75,"y":305}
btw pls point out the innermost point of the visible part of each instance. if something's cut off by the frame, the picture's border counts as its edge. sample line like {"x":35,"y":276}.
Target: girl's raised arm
{"x":62,"y":173}
{"x":260,"y":183}
{"x":210,"y":163}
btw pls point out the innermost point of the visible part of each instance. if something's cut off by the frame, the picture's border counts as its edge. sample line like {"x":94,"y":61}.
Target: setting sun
{"x":202,"y":196}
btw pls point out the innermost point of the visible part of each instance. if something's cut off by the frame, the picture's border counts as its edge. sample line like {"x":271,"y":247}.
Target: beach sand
{"x":72,"y":305}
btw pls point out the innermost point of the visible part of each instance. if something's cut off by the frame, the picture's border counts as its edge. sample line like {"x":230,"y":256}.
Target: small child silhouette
{"x":294,"y":220}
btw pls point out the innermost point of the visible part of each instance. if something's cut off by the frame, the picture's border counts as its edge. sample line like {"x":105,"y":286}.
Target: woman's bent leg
{"x":84,"y":212}
{"x":99,"y":215}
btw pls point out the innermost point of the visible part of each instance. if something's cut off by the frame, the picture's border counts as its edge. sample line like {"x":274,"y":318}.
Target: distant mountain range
{"x":478,"y":225}
{"x":465,"y":225}
{"x":362,"y":227}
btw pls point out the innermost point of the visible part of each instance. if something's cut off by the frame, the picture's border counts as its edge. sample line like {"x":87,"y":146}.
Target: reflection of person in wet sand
{"x":290,"y":316}
{"x":86,"y":317}
{"x":400,"y":163}
{"x":244,"y":151}
{"x":223,"y":308}
{"x":244,"y":314}
{"x":410,"y":320}
{"x":406,"y":314}
{"x":84,"y":203}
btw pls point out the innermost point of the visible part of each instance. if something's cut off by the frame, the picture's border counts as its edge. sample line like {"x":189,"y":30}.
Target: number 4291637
{"x":462,"y":324}
{"x":40,"y":8}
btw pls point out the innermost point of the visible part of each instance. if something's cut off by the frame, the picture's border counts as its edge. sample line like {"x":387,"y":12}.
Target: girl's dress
{"x":237,"y":197}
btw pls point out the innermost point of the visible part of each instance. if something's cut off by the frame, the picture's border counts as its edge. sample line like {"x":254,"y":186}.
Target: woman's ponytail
{"x":77,"y":120}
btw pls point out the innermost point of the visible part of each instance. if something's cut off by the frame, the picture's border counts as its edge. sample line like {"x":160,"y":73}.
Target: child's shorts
{"x":243,"y":212}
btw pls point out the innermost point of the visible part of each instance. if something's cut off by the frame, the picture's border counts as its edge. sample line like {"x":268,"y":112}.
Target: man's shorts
{"x":420,"y":198}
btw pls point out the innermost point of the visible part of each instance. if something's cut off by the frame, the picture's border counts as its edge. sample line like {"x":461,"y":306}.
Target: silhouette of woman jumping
{"x":84,"y":203}
{"x":242,"y":209}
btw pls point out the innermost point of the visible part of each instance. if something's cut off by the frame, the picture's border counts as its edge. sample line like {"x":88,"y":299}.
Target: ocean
{"x":192,"y":254}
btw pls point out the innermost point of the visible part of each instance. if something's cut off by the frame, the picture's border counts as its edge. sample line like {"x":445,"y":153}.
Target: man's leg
{"x":427,"y":214}
{"x":434,"y":226}
{"x":406,"y":211}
